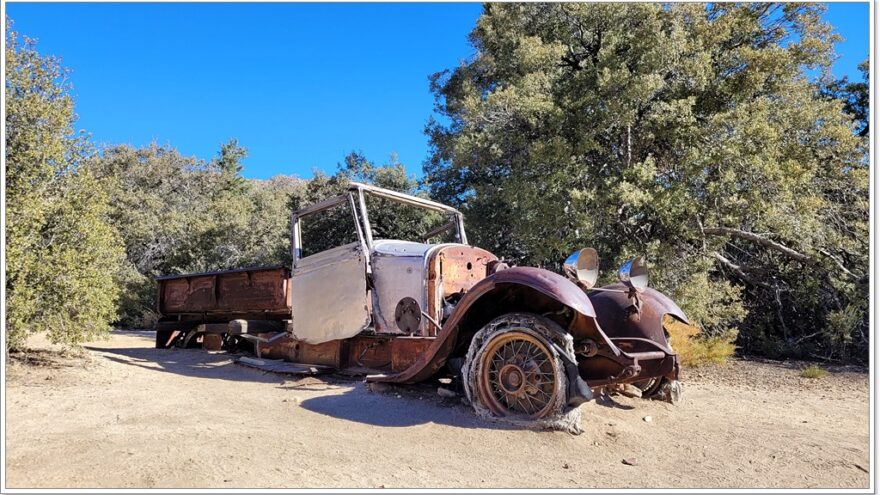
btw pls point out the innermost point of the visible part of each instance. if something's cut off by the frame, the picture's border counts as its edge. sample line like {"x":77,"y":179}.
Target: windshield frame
{"x":355,"y":196}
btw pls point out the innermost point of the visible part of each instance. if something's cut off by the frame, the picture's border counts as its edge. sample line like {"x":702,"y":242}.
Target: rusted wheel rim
{"x":518,"y":375}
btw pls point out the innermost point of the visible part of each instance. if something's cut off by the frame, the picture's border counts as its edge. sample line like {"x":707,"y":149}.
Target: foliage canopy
{"x":692,"y":133}
{"x":688,"y":132}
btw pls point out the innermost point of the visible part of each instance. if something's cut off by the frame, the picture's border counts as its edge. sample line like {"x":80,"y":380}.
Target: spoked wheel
{"x":514,"y":373}
{"x":519,"y":375}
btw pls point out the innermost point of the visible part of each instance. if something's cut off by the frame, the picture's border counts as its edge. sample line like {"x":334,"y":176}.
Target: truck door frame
{"x":313,"y":319}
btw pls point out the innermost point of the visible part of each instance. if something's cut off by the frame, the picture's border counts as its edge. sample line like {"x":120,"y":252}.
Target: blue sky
{"x":300,"y":85}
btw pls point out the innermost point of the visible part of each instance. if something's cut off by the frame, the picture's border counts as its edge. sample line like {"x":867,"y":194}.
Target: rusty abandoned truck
{"x":525,"y":342}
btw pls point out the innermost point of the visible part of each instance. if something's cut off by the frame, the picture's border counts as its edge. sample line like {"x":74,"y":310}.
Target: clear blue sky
{"x":300,"y":85}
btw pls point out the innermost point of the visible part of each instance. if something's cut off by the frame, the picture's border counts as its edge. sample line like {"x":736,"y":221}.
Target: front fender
{"x":550,"y":284}
{"x":556,"y":288}
{"x":618,"y":320}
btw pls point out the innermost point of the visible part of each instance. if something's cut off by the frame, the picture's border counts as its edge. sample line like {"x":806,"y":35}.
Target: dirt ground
{"x":127,"y":415}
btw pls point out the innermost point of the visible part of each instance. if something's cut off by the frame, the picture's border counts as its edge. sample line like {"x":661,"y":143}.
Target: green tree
{"x":687,"y":132}
{"x":229,"y":164}
{"x":179,"y":214}
{"x":62,"y":253}
{"x":855,"y":97}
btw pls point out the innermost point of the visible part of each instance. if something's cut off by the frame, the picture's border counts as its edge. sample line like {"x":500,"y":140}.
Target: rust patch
{"x":213,"y":342}
{"x":405,"y":351}
{"x":369,"y":352}
{"x":254,"y":290}
{"x":327,"y":353}
{"x":453,"y":269}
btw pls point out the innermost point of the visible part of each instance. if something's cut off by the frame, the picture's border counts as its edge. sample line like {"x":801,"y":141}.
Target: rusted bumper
{"x":629,"y":368}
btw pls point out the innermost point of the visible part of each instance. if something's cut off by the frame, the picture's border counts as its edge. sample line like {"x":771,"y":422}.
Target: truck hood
{"x":387,"y":247}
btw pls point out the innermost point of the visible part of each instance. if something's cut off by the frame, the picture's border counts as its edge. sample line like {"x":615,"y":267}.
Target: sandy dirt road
{"x":128,"y":415}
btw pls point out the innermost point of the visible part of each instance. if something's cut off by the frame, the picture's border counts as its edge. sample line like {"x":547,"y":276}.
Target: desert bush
{"x":813,"y":371}
{"x":694,"y":348}
{"x":62,"y":252}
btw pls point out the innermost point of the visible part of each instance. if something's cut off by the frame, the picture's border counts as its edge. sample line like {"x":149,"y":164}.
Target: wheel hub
{"x":512,"y":379}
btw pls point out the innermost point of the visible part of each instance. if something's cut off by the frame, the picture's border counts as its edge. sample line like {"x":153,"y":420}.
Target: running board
{"x":281,"y":366}
{"x":261,"y":340}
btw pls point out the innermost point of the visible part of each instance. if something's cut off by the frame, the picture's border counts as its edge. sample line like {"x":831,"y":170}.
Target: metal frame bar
{"x":362,"y":221}
{"x":295,"y":238}
{"x":368,"y":229}
{"x":403,"y":198}
{"x":322,"y":205}
{"x":459,"y":218}
{"x":452,"y":224}
{"x":357,"y":222}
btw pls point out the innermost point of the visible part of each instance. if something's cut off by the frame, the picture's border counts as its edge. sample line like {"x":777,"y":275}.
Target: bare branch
{"x":739,"y":272}
{"x":781,"y":248}
{"x":839,"y":264}
{"x":742,"y":234}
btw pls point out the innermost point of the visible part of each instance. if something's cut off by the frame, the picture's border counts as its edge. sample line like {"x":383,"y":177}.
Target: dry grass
{"x":695,"y":350}
{"x":51,"y":358}
{"x":813,"y":371}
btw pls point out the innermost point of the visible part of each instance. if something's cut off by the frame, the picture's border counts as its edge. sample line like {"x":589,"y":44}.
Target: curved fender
{"x":617,"y":319}
{"x":548,"y":283}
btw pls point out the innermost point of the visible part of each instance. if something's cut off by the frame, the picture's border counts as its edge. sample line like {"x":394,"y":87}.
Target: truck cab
{"x":376,"y":284}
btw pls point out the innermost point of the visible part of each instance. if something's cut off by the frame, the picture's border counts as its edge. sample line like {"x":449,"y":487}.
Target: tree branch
{"x":781,"y":248}
{"x":742,"y":234}
{"x":739,"y":272}
{"x":839,"y":264}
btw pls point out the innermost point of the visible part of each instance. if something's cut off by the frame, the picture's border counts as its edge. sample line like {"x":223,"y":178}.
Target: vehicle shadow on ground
{"x":397,"y":406}
{"x":188,"y":362}
{"x":389,"y":409}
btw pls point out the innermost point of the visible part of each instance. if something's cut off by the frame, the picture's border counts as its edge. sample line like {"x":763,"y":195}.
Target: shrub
{"x":694,"y":349}
{"x":813,"y":371}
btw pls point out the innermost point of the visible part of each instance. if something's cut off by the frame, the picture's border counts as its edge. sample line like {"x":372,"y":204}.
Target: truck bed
{"x":223,"y":295}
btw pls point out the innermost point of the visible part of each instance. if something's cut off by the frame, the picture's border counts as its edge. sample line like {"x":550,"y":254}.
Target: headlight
{"x":583,"y":267}
{"x":634,"y":273}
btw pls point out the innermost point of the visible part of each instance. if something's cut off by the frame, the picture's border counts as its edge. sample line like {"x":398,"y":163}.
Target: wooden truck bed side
{"x":221,"y":295}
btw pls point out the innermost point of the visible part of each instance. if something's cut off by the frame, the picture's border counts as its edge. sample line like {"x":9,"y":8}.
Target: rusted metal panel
{"x":283,"y":348}
{"x":461,"y":267}
{"x":619,"y":318}
{"x":188,"y":295}
{"x":363,"y":352}
{"x":405,"y":351}
{"x":287,"y":348}
{"x":255,"y":290}
{"x":327,"y":353}
{"x":369,"y":352}
{"x":330,"y":290}
{"x":453,"y":269}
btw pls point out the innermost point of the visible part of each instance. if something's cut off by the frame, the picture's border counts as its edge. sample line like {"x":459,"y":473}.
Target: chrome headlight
{"x":634,"y":273}
{"x":583,"y":267}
